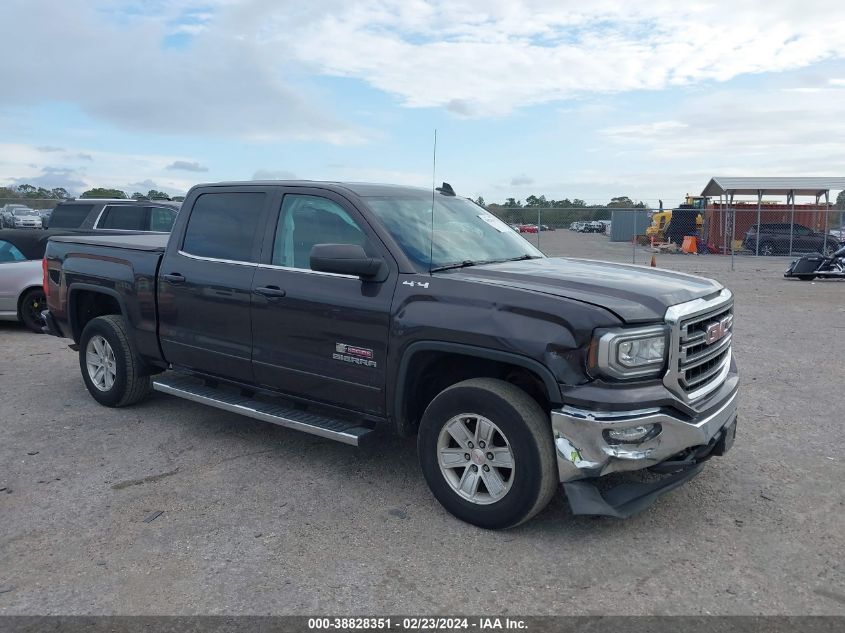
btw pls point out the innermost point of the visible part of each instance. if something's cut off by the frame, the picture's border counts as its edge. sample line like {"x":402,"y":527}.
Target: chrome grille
{"x":700,"y":351}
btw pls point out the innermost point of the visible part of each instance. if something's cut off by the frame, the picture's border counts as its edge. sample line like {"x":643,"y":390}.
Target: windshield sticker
{"x":493,"y":221}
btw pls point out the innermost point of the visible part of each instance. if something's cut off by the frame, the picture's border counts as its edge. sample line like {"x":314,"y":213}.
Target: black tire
{"x":767,"y":249}
{"x":131,"y":381}
{"x":528,"y":431}
{"x":806,"y":277}
{"x":31,"y":304}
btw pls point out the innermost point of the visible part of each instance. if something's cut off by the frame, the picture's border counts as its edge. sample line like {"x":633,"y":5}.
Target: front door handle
{"x":174,"y":278}
{"x":271,"y":292}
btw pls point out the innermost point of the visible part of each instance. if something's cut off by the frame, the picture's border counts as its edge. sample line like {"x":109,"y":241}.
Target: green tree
{"x":480,"y":201}
{"x":152,"y":194}
{"x":534,"y":201}
{"x":510,"y":202}
{"x":103,"y":192}
{"x":840,"y":200}
{"x":139,"y":196}
{"x":621,"y":202}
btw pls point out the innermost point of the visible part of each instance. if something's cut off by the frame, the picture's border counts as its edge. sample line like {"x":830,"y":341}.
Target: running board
{"x":345,"y":431}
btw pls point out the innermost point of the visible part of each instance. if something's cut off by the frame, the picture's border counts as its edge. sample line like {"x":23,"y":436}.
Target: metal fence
{"x":739,"y":231}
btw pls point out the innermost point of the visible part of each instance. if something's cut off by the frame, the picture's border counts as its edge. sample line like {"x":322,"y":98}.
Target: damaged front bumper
{"x":588,"y":446}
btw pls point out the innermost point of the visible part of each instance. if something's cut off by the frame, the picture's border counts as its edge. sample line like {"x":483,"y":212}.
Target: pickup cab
{"x":118,"y":214}
{"x":350,"y":310}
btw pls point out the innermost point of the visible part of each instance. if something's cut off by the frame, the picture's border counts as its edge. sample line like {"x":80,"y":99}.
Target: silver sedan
{"x":21,"y":293}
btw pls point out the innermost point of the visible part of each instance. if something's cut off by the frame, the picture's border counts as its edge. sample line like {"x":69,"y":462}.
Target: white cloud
{"x":491,"y":56}
{"x":83,"y":168}
{"x":114,"y":66}
{"x":186,"y":165}
{"x":245,"y":71}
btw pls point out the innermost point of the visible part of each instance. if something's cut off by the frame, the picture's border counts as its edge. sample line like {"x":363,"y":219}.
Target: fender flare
{"x":402,"y":425}
{"x":73,"y":291}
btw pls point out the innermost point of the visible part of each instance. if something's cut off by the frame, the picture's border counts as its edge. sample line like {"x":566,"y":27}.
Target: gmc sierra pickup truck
{"x":345,"y":309}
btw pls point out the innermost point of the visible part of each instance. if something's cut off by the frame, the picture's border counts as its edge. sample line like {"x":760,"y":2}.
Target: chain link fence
{"x":636,"y":234}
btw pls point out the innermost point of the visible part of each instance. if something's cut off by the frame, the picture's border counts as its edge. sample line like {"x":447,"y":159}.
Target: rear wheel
{"x":486,"y":451}
{"x":32,"y":303}
{"x":111,"y":371}
{"x":767,"y":249}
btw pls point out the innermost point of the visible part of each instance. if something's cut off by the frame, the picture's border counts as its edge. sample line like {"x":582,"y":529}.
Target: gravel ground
{"x":259,"y":519}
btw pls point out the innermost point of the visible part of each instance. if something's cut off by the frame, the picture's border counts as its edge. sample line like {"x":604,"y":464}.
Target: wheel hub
{"x":100,"y":362}
{"x":475,"y":458}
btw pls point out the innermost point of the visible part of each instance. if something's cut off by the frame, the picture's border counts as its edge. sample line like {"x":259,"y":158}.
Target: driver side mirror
{"x":344,"y":259}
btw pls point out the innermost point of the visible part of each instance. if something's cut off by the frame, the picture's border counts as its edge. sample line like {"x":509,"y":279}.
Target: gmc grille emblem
{"x":717,"y":330}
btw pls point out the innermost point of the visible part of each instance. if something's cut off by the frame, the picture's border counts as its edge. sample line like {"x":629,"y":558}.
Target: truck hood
{"x":636,"y":294}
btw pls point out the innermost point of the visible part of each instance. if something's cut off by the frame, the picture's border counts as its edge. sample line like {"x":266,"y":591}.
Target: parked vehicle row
{"x":19,"y":216}
{"x":515,"y":371}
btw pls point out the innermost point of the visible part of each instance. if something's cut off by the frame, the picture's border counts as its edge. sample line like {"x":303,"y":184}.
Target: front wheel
{"x":111,"y":371}
{"x":486,"y":451}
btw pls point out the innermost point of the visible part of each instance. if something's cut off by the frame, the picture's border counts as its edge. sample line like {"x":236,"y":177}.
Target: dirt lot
{"x":258,"y":519}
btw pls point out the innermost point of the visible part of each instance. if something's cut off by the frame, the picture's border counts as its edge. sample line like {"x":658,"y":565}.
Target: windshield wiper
{"x":519,"y":259}
{"x":463,"y":264}
{"x":479,"y":262}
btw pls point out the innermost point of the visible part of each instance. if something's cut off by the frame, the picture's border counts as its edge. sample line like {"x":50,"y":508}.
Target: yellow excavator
{"x":660,"y":219}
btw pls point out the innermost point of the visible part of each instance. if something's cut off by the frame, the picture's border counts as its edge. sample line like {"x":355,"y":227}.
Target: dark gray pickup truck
{"x":345,"y":309}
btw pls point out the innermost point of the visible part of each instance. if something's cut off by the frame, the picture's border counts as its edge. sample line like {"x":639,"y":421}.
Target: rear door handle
{"x":174,"y":278}
{"x":271,"y":292}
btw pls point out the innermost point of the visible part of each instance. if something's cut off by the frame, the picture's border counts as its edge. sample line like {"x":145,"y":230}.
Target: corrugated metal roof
{"x":802,"y":186}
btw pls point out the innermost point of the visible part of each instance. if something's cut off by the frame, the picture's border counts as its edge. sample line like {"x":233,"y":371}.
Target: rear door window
{"x":161,"y":219}
{"x":124,"y":217}
{"x":224,"y":225}
{"x":69,"y":216}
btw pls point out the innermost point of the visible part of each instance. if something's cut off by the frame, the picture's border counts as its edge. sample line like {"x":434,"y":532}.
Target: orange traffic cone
{"x":653,"y":262}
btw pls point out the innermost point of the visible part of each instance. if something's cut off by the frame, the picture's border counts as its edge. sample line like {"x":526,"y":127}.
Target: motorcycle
{"x":815,"y":265}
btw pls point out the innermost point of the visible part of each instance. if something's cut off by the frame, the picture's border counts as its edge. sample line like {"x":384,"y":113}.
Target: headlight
{"x":630,"y":353}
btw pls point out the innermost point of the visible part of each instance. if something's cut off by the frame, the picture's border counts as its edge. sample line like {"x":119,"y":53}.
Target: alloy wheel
{"x":101,"y":364}
{"x":475,"y":458}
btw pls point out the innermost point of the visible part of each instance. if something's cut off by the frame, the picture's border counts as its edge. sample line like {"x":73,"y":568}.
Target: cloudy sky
{"x":556,"y":97}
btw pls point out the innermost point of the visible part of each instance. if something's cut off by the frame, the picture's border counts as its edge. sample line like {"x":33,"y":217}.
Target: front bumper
{"x":584,"y":450}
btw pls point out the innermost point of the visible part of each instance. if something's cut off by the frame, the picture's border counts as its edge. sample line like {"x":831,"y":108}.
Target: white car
{"x":21,"y":292}
{"x":26,"y":218}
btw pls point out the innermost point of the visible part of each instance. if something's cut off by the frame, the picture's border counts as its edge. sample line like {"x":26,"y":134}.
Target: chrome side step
{"x":345,"y":431}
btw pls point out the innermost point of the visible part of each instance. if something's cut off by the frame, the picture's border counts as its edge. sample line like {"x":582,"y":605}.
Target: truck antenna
{"x":433,"y":180}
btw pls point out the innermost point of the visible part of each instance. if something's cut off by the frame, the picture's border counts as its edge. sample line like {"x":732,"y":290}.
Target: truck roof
{"x":362,"y":189}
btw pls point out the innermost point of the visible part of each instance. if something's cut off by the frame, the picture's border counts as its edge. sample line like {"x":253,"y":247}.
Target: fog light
{"x":631,"y":435}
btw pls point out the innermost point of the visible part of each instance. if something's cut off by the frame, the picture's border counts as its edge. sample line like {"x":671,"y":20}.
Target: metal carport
{"x":728,"y":187}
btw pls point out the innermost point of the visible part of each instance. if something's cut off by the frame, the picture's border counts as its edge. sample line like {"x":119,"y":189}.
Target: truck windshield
{"x":464,"y":233}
